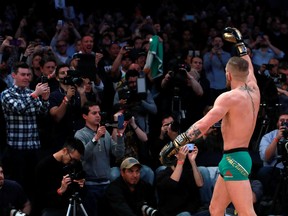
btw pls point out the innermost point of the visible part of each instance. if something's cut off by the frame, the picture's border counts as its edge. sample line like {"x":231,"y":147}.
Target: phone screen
{"x":141,"y":85}
{"x":15,"y":42}
{"x":120,"y":121}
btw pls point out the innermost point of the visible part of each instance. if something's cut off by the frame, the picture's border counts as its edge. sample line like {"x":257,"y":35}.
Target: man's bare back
{"x":239,"y":122}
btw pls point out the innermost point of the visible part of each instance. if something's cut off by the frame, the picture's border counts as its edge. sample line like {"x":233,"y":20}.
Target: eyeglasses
{"x":72,"y":160}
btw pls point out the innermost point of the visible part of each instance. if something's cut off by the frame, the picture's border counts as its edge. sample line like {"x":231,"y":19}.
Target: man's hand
{"x":234,"y":36}
{"x":43,"y":90}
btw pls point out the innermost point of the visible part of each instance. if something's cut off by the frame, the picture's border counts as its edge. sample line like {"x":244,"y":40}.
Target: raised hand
{"x":234,"y":36}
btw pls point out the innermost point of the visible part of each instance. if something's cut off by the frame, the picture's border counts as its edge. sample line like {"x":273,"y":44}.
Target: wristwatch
{"x":94,"y":140}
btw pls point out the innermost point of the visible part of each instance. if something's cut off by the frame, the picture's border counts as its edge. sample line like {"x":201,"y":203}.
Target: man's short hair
{"x":85,"y":108}
{"x":131,"y":73}
{"x":74,"y":144}
{"x":18,"y":65}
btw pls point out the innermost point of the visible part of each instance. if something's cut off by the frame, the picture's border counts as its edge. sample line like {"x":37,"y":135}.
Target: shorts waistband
{"x":235,"y":150}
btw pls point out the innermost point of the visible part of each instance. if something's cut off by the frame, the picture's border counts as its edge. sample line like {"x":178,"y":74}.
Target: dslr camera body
{"x":73,"y":78}
{"x":75,"y":171}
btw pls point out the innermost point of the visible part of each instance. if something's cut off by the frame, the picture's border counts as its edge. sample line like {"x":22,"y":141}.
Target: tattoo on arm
{"x":193,"y":133}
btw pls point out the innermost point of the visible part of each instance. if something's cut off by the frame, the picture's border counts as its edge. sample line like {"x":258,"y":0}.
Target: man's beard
{"x":228,"y":84}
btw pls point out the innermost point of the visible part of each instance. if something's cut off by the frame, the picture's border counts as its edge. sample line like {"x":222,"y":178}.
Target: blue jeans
{"x":146,"y":174}
{"x":207,"y":189}
{"x":93,"y":201}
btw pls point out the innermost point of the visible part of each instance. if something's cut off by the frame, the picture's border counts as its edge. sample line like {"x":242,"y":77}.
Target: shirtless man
{"x":238,"y":110}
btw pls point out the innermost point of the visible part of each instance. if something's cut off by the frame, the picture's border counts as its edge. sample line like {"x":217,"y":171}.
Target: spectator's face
{"x":166,"y":123}
{"x":87,"y":44}
{"x":35,"y":62}
{"x":114,"y":50}
{"x":71,"y":156}
{"x":1,"y":177}
{"x":217,"y":42}
{"x":62,"y":72}
{"x":87,"y":84}
{"x":132,"y":83}
{"x":48,"y":68}
{"x":93,"y":117}
{"x":61,"y":47}
{"x":22,"y":78}
{"x":282,"y":119}
{"x":197,"y":63}
{"x":131,"y":176}
{"x":274,"y":70}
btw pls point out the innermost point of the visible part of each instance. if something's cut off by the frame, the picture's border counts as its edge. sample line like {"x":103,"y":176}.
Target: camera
{"x":282,"y":146}
{"x":148,"y":210}
{"x":269,"y":66}
{"x":73,"y":78}
{"x":179,"y":74}
{"x":44,"y":79}
{"x":75,"y":171}
{"x":128,"y":48}
{"x":15,"y":212}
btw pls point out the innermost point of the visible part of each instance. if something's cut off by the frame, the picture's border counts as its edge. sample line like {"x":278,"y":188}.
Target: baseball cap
{"x":129,"y":162}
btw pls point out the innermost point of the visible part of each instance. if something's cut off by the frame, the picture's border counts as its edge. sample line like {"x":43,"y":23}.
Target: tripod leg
{"x":69,"y":209}
{"x":74,"y":207}
{"x":83,"y":209}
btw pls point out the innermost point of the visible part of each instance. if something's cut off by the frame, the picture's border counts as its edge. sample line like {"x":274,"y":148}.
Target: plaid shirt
{"x":20,"y":111}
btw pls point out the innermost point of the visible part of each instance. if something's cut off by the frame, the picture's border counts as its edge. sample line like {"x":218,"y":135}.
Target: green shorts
{"x":235,"y":165}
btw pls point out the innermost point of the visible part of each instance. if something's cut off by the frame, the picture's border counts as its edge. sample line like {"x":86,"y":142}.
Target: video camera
{"x":73,"y":78}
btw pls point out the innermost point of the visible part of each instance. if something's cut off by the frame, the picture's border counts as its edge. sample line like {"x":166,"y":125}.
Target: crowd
{"x":104,"y":91}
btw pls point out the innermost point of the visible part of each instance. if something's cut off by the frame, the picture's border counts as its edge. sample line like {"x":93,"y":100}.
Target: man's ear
{"x":13,"y":74}
{"x":228,"y":76}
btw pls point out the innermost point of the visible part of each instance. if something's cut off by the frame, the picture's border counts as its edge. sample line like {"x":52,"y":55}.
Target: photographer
{"x":273,"y":155}
{"x":182,"y":87}
{"x":139,"y":105}
{"x":65,"y":105}
{"x":55,"y":183}
{"x":12,"y":196}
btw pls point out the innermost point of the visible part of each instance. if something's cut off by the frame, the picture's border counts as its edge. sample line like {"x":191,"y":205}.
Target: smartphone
{"x":15,"y":42}
{"x":141,"y":85}
{"x":190,"y":53}
{"x":60,"y":22}
{"x":190,"y":147}
{"x":44,"y":79}
{"x":121,"y":121}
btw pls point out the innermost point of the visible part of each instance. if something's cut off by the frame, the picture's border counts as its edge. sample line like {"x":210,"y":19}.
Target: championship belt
{"x":167,"y":153}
